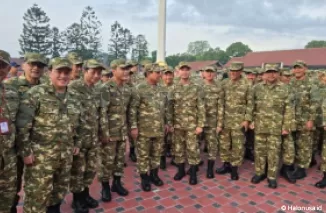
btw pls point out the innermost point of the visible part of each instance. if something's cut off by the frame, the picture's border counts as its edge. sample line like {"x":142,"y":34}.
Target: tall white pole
{"x":161,"y":31}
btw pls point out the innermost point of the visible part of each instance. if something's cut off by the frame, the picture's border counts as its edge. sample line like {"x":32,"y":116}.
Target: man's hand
{"x":29,"y":160}
{"x":75,"y":151}
{"x":199,"y":130}
{"x":285,"y":132}
{"x":218,"y":130}
{"x":245,"y":125}
{"x":252,"y":125}
{"x":134,"y":133}
{"x":309,"y":125}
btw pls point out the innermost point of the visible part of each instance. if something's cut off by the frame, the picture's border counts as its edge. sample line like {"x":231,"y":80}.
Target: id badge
{"x":4,"y":126}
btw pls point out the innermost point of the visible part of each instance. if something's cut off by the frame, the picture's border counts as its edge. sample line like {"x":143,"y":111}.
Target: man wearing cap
{"x":236,"y":92}
{"x":77,"y":65}
{"x":186,"y":116}
{"x":286,"y":76}
{"x":13,"y":70}
{"x":271,"y":112}
{"x":214,"y":115}
{"x":47,"y":122}
{"x":107,"y":75}
{"x":147,"y":121}
{"x":115,"y":97}
{"x":305,"y":115}
{"x":33,"y":66}
{"x":166,"y":85}
{"x":85,"y":163}
{"x":8,"y":158}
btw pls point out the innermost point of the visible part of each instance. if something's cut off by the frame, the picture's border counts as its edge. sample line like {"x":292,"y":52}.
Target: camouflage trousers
{"x":185,"y":142}
{"x":83,"y":169}
{"x":288,"y":150}
{"x":318,"y":140}
{"x":167,"y":143}
{"x":232,"y":146}
{"x":303,"y":147}
{"x":210,"y":137}
{"x":267,"y":150}
{"x":112,"y":158}
{"x":46,"y":182}
{"x":149,"y":151}
{"x":8,"y":175}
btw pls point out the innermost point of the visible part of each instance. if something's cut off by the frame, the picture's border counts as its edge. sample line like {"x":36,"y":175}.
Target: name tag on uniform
{"x":4,"y":126}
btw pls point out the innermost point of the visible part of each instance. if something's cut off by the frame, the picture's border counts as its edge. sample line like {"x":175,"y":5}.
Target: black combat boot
{"x":258,"y":178}
{"x":313,"y":161}
{"x":210,"y":167}
{"x":145,"y":182}
{"x":155,"y":179}
{"x":106,"y":192}
{"x":321,"y":184}
{"x":117,"y":186}
{"x":181,"y":172}
{"x":132,"y":154}
{"x":54,"y":208}
{"x":193,"y":175}
{"x":90,"y":202}
{"x":226,"y":168}
{"x":234,"y":173}
{"x":188,"y":171}
{"x":163,"y":162}
{"x":272,"y":183}
{"x":173,"y":163}
{"x":299,"y":173}
{"x":287,"y":173}
{"x":79,"y":204}
{"x":13,"y":209}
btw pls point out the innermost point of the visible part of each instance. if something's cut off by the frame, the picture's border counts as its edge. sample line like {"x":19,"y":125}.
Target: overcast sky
{"x":262,"y":24}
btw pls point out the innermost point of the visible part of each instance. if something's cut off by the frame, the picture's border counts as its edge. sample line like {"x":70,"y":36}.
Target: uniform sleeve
{"x":133,"y":109}
{"x":28,"y":108}
{"x":250,"y":104}
{"x":170,"y":107}
{"x":313,"y":106}
{"x":288,"y":117}
{"x":220,"y":108}
{"x":201,"y":116}
{"x":323,"y":106}
{"x":103,"y":113}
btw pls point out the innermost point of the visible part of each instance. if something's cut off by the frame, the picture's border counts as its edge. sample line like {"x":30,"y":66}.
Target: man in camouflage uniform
{"x":47,"y":121}
{"x":214,"y":115}
{"x":271,"y":113}
{"x":33,"y":66}
{"x":115,"y":97}
{"x":236,"y":91}
{"x":186,"y":115}
{"x":77,"y":65}
{"x":286,"y":76}
{"x":166,"y":85}
{"x":259,"y":77}
{"x":305,"y":115}
{"x":8,"y":160}
{"x":147,"y":120}
{"x":85,"y":163}
{"x":322,"y":183}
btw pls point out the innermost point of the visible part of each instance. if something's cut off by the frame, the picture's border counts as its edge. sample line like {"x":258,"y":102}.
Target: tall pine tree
{"x":140,"y":49}
{"x":57,"y":44}
{"x":36,"y":36}
{"x":115,"y":46}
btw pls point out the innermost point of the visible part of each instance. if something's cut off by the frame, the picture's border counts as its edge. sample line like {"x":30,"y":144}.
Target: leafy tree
{"x":213,"y":54}
{"x":127,"y":41}
{"x":174,"y":60}
{"x":154,"y":56}
{"x":57,"y":44}
{"x":140,"y":49}
{"x":36,"y":35}
{"x":198,"y":47}
{"x":237,"y":49}
{"x":316,"y":44}
{"x":116,"y":44}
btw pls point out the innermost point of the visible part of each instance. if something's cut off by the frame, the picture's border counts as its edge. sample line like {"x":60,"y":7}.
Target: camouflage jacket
{"x":165,"y":89}
{"x":186,"y":107}
{"x":147,"y":110}
{"x":270,"y":108}
{"x":115,"y":105}
{"x":47,"y":123}
{"x":20,"y":83}
{"x":318,"y":95}
{"x":302,"y":100}
{"x":89,"y":98}
{"x":236,"y":99}
{"x":136,"y":79}
{"x":9,"y":108}
{"x":214,"y":101}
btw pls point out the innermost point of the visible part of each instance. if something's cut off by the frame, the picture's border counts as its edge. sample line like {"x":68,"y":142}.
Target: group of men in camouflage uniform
{"x":59,"y":128}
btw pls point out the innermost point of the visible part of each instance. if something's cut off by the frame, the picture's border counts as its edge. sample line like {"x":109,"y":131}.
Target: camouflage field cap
{"x":35,"y":57}
{"x":210,"y":68}
{"x":5,"y":57}
{"x":144,"y":62}
{"x":121,"y":63}
{"x":58,"y":63}
{"x":236,"y":66}
{"x":154,"y":67}
{"x":74,"y":58}
{"x":177,"y":67}
{"x":168,"y":69}
{"x":286,"y":72}
{"x":184,"y":64}
{"x":133,"y":63}
{"x":299,"y":63}
{"x":93,"y":63}
{"x":106,"y":72}
{"x":271,"y":67}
